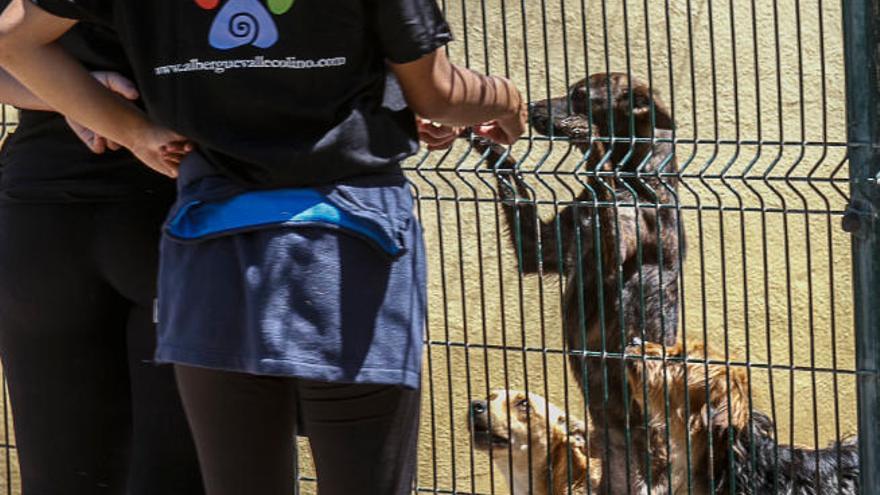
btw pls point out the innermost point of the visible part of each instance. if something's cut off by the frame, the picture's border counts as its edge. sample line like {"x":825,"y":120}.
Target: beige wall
{"x":799,"y":301}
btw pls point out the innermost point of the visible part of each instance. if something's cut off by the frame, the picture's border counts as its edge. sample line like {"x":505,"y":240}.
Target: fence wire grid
{"x":558,"y":266}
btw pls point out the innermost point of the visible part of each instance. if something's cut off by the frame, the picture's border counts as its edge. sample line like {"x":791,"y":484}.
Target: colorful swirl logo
{"x":244,"y":22}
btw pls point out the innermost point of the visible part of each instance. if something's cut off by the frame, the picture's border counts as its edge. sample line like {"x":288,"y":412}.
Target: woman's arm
{"x":120,"y":85}
{"x":14,"y":93}
{"x":438,"y":90}
{"x":28,"y":52}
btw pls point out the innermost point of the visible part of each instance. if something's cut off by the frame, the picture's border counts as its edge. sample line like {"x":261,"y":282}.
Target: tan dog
{"x":712,"y":403}
{"x":539,"y":449}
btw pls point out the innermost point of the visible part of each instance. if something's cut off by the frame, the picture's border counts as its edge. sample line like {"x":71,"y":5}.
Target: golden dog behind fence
{"x":539,"y":448}
{"x":711,"y":437}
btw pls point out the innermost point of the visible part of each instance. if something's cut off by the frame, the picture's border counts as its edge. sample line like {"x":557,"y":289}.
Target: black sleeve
{"x":81,"y":10}
{"x":409,"y":29}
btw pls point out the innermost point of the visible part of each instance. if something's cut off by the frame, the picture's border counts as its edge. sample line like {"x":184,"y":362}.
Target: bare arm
{"x":27,"y":51}
{"x":14,"y":93}
{"x":445,"y":93}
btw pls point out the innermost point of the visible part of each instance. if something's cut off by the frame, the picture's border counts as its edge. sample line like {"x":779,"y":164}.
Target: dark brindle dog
{"x":610,"y":295}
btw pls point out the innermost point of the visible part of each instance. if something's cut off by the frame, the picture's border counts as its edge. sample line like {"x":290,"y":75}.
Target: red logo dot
{"x":208,"y":4}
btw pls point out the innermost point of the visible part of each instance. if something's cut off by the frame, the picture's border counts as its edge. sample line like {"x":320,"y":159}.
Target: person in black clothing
{"x":78,"y":262}
{"x":293,"y":271}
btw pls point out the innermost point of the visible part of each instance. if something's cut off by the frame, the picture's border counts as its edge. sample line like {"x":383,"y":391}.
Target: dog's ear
{"x":739,"y":393}
{"x":643,"y":98}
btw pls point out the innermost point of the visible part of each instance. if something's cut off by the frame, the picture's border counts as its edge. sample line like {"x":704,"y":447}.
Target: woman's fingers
{"x":182,"y":147}
{"x":506,"y":130}
{"x":493,"y":132}
{"x":430,"y":131}
{"x":99,"y":144}
{"x":95,"y":143}
{"x":162,"y":150}
{"x":172,"y":154}
{"x":167,"y":165}
{"x":439,"y":143}
{"x":436,"y":136}
{"x":118,"y":83}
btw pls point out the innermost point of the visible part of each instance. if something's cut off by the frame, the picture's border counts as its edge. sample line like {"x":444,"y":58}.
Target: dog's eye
{"x":579,"y":98}
{"x":523,"y":405}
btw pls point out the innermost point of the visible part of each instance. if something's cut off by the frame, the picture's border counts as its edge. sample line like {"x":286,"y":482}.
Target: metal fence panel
{"x":863,"y":220}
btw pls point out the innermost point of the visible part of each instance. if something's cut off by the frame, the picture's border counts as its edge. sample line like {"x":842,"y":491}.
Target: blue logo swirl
{"x":243,"y":22}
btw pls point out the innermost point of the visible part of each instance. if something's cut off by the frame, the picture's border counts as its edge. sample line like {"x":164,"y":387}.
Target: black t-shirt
{"x":44,"y":161}
{"x":275,"y":92}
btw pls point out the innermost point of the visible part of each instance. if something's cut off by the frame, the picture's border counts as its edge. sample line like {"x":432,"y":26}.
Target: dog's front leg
{"x":541,"y":245}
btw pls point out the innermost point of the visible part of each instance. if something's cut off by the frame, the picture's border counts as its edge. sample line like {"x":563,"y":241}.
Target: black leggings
{"x":92,"y":413}
{"x":363,"y":437}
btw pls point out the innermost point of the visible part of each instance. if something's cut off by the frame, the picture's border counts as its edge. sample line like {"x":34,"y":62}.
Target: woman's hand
{"x":160,"y":149}
{"x":118,"y":84}
{"x":437,"y":136}
{"x":505,"y":130}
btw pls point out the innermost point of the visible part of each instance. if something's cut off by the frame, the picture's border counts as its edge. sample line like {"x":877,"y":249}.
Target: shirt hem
{"x":16,"y":198}
{"x":167,"y":354}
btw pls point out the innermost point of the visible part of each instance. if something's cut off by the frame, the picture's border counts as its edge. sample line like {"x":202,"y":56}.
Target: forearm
{"x":14,"y":93}
{"x":66,"y":86}
{"x":474,"y":98}
{"x":456,"y":96}
{"x":28,"y":51}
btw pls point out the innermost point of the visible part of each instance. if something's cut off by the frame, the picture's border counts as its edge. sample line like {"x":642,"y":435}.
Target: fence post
{"x":862,"y":34}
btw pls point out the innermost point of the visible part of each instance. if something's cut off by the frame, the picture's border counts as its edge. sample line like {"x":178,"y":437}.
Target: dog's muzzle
{"x":481,"y":430}
{"x":545,"y":115}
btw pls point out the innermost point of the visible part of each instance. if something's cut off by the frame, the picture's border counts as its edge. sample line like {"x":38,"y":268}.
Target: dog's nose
{"x":479,"y":407}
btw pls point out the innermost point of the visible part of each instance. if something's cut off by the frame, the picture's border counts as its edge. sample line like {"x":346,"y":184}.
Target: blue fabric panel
{"x":280,"y":207}
{"x":240,"y":290}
